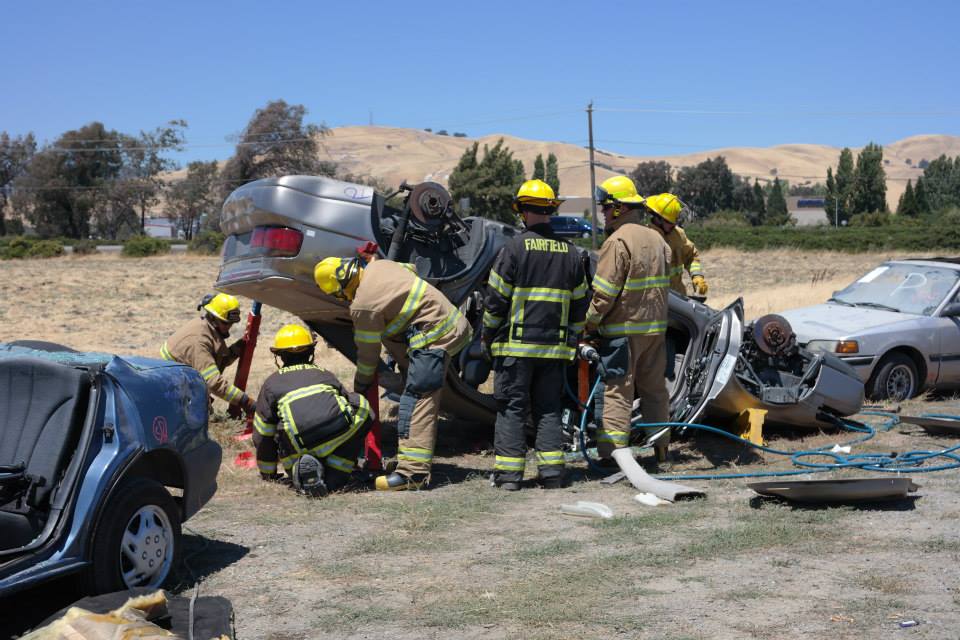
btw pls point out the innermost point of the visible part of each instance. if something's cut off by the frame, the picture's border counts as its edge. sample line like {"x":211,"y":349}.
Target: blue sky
{"x":665,"y":77}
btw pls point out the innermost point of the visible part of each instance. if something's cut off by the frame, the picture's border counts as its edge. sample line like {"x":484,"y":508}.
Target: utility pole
{"x":836,"y":212}
{"x":593,"y":181}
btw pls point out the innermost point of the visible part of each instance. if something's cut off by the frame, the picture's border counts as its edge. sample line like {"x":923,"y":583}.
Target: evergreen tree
{"x":706,"y":187}
{"x":539,"y":172}
{"x":920,"y":197}
{"x":940,"y":184}
{"x":759,"y":205}
{"x":15,"y":155}
{"x":870,"y":192}
{"x":839,"y":199}
{"x":553,"y":174}
{"x":777,"y":206}
{"x":490,"y":183}
{"x":830,"y":200}
{"x":908,"y":203}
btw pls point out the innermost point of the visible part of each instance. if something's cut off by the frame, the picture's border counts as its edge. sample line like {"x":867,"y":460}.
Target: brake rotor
{"x":429,"y":201}
{"x":773,"y":334}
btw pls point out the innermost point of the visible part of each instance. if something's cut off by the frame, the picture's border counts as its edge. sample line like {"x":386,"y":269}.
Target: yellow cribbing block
{"x":750,"y":423}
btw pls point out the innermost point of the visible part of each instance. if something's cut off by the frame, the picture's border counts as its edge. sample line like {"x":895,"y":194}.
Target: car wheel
{"x":896,"y":378}
{"x":585,"y":234}
{"x":138,"y":539}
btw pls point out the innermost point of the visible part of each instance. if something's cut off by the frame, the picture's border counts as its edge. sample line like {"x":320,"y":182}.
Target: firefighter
{"x":628,"y":311}
{"x":307,"y":420}
{"x":201,"y":344}
{"x":421,"y":330}
{"x":535,"y":304}
{"x":665,"y":210}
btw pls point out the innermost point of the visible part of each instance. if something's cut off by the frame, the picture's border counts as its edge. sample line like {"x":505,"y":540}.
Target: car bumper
{"x":202,"y":465}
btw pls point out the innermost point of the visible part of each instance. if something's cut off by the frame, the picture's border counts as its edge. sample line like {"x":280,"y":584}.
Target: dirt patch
{"x":467,"y":561}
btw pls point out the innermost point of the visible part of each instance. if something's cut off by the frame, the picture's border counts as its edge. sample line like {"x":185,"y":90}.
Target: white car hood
{"x":834,"y":321}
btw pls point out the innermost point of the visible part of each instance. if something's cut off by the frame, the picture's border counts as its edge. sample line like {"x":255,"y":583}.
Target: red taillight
{"x":277,"y":241}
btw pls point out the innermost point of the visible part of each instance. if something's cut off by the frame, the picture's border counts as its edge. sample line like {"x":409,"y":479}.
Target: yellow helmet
{"x":536,"y":193}
{"x":618,"y":189}
{"x":338,"y":277}
{"x":665,"y":205}
{"x":292,"y":337}
{"x":224,"y":307}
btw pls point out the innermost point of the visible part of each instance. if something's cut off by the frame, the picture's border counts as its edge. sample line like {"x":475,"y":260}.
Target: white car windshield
{"x":907,"y":288}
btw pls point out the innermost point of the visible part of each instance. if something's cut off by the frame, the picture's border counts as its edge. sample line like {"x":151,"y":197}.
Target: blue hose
{"x":910,"y":461}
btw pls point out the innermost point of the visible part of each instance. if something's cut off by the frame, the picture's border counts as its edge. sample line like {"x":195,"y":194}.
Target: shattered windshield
{"x":906,"y":288}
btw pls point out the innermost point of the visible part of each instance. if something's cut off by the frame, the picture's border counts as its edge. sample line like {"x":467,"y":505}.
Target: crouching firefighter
{"x":534,"y":310}
{"x":628,"y":311}
{"x":306,"y":420}
{"x":664,"y":212}
{"x":201,"y":344}
{"x":421,"y":330}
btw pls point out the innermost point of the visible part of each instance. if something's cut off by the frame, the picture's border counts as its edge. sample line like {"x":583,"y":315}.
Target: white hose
{"x":644,"y":483}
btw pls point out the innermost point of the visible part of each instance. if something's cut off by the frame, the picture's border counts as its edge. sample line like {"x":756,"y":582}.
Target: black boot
{"x":553,"y":482}
{"x":307,"y":476}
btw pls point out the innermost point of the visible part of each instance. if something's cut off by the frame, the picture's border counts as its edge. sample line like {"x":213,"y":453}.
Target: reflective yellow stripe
{"x":263,"y":427}
{"x":507,"y":463}
{"x":340,"y":464}
{"x":696,"y":269}
{"x":324,"y":449}
{"x":521,"y":350}
{"x":410,"y":306}
{"x":650,"y":282}
{"x":165,"y":352}
{"x":580,"y":290}
{"x":414,"y":454}
{"x":577,"y":327}
{"x":616,"y":438}
{"x":421,"y":340}
{"x":365,"y":369}
{"x":491,"y":321}
{"x":633,"y":328}
{"x":499,"y":284}
{"x":269,"y":468}
{"x":370,"y":337}
{"x":605,"y":287}
{"x":676,"y":271}
{"x":232,"y":394}
{"x":210,"y":372}
{"x":286,"y":412}
{"x":545,"y":458}
{"x":541,"y":294}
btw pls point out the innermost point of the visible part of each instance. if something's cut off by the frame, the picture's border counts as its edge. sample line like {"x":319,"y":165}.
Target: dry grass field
{"x":466,"y":561}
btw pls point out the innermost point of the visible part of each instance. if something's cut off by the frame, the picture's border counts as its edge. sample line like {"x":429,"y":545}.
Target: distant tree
{"x":870,"y":191}
{"x":194,"y":197}
{"x":838,"y":202}
{"x":442,"y":132}
{"x":907,"y":206}
{"x":459,"y":134}
{"x":490,"y":183}
{"x":276,"y":142}
{"x":539,"y":169}
{"x":15,"y":155}
{"x":553,"y":174}
{"x":428,"y":130}
{"x":707,"y":187}
{"x":65,"y":186}
{"x":653,"y":177}
{"x":923,"y":163}
{"x":920,"y":197}
{"x":942,"y":184}
{"x":144,"y":162}
{"x":805,"y":190}
{"x":742,"y":197}
{"x":759,"y":204}
{"x":908,"y":161}
{"x":777,"y":206}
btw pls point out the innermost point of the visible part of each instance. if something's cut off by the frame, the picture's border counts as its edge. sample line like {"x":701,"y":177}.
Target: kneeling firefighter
{"x":629,"y":313}
{"x":307,"y":420}
{"x":533,"y":315}
{"x":421,"y":330}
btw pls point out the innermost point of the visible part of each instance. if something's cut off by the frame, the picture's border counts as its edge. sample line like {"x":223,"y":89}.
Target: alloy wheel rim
{"x":146,"y":550}
{"x":900,"y":383}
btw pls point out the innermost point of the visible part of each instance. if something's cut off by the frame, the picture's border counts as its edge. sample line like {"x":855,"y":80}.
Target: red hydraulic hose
{"x":243,"y":366}
{"x":372,"y":444}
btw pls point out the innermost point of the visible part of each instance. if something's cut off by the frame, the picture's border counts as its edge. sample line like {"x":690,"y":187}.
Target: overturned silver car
{"x":278,"y":228}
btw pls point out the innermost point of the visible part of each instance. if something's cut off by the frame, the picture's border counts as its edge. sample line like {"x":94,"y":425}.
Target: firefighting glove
{"x":248,"y":404}
{"x":485,"y":352}
{"x":238,"y":347}
{"x":361,"y":386}
{"x":700,"y":285}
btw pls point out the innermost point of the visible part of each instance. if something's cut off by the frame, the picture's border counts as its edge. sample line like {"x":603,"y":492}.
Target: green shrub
{"x":16,"y":247}
{"x":207,"y":242}
{"x":85,"y":247}
{"x":873,"y":219}
{"x":142,"y":246}
{"x":727,"y":219}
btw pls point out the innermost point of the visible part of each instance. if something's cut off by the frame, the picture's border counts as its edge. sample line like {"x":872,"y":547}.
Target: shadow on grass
{"x":906,"y":503}
{"x":201,"y":557}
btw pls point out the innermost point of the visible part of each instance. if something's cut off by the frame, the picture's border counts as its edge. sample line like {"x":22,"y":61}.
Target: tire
{"x":585,"y":235}
{"x":896,"y":378}
{"x":137,"y":541}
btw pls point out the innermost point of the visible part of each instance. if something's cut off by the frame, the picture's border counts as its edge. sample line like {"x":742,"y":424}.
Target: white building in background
{"x":808,"y":211}
{"x":160,"y":228}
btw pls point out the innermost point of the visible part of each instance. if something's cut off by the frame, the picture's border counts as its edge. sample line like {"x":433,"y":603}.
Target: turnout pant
{"x":524,"y":386}
{"x":415,"y":450}
{"x":645,"y":380}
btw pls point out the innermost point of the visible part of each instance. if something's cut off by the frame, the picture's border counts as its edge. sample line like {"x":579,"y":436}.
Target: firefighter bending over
{"x":306,"y":420}
{"x":201,"y":344}
{"x":421,"y":329}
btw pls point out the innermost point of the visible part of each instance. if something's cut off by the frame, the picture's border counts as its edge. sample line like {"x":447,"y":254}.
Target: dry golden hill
{"x":397,"y":154}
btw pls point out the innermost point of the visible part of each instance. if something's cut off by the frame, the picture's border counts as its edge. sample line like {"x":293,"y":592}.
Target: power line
{"x":785,"y":113}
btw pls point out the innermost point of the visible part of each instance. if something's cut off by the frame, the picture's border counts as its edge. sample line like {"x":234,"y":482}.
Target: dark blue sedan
{"x":102,"y":458}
